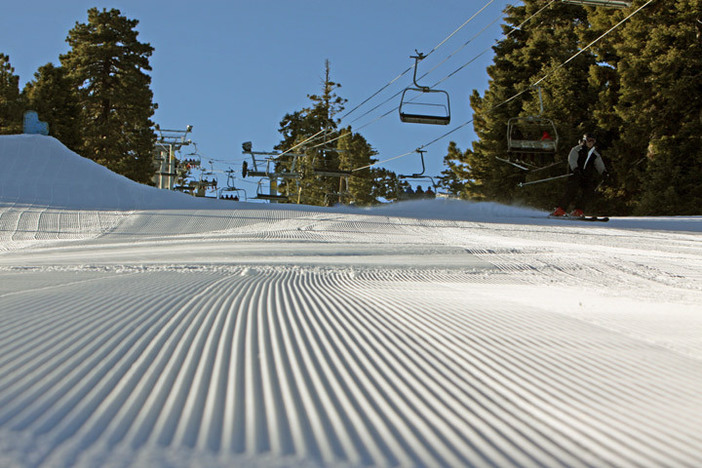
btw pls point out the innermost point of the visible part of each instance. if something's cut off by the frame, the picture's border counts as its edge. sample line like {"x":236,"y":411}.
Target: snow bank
{"x":39,"y":170}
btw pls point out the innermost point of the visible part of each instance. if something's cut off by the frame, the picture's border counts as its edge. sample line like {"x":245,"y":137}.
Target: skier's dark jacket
{"x":583,"y":161}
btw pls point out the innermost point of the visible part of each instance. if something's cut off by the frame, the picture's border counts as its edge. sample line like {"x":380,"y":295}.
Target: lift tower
{"x":167,"y":143}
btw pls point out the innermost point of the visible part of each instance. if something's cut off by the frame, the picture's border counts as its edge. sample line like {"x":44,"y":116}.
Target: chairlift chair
{"x":532,"y":134}
{"x":319,"y":171}
{"x":270,"y":196}
{"x":231,"y":187}
{"x":531,"y":143}
{"x":236,"y":190}
{"x":325,"y":171}
{"x":205,"y":181}
{"x":423,"y":105}
{"x":420,"y":175}
{"x":192,"y":160}
{"x":271,"y":170}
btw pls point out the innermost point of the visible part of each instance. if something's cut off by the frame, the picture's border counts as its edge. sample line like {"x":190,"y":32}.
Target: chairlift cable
{"x":519,"y":27}
{"x":391,"y":111}
{"x":302,"y":142}
{"x":383,"y":161}
{"x":459,"y":28}
{"x":375,"y":94}
{"x":443,"y":79}
{"x":542,"y":78}
{"x":475,"y":36}
{"x":313,"y":137}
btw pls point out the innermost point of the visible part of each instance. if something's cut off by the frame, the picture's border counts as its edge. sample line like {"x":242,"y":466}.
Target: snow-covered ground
{"x":146,"y":328}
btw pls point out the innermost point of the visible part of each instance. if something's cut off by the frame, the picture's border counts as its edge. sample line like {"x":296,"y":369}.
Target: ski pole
{"x":522,"y":184}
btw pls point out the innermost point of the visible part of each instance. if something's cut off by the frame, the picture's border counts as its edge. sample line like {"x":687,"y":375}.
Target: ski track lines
{"x":337,"y":367}
{"x":655,"y":259}
{"x":266,"y":225}
{"x":25,"y":226}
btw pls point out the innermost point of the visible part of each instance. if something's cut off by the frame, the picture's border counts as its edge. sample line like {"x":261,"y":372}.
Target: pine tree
{"x":355,"y":154}
{"x":456,"y":178}
{"x":11,"y":106}
{"x":531,"y":50}
{"x":314,"y":130}
{"x":639,"y":87}
{"x":605,"y":81}
{"x":660,"y":106}
{"x":52,"y":96}
{"x":107,"y":65}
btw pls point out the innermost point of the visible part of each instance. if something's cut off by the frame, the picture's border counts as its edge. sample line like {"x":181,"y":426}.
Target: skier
{"x":583,"y":161}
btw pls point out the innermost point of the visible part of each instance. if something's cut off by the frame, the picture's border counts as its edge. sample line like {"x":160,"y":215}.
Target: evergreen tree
{"x":318,"y":125}
{"x":107,"y":65}
{"x":605,"y":81}
{"x":660,"y":106}
{"x":355,"y":153}
{"x":11,"y":106}
{"x":53,"y":97}
{"x":313,"y":131}
{"x":528,"y":53}
{"x":456,"y":179}
{"x":387,"y":185}
{"x":639,"y":87}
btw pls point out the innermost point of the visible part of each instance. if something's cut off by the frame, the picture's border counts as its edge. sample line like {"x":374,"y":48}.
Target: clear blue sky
{"x":232,"y":69}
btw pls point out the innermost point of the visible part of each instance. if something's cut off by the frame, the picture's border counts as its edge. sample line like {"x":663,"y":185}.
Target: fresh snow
{"x":140,"y":327}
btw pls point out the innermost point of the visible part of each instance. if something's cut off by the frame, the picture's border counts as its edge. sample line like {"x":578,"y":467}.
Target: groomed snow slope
{"x":145,"y":328}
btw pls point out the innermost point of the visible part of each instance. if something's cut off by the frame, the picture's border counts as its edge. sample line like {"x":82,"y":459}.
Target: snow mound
{"x":39,"y":170}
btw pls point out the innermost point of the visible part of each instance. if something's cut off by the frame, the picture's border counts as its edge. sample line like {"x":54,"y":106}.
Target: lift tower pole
{"x":167,"y":143}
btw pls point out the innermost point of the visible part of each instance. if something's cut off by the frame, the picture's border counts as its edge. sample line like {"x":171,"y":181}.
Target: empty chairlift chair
{"x":423,"y":105}
{"x":420,"y":175}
